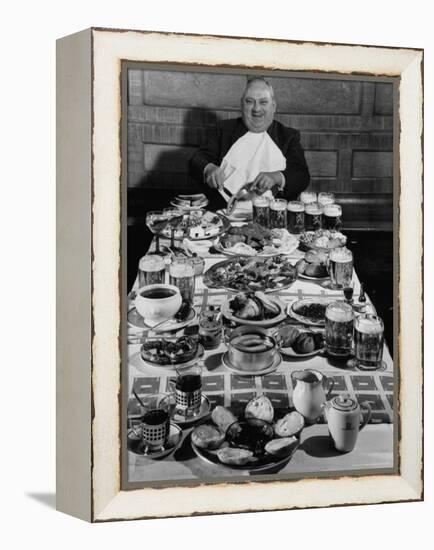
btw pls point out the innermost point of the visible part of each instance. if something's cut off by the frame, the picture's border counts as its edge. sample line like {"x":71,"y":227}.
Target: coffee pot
{"x":311,"y":389}
{"x":344,"y":415}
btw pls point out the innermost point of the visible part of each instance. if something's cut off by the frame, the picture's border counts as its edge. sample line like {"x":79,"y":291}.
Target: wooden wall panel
{"x":346,"y":131}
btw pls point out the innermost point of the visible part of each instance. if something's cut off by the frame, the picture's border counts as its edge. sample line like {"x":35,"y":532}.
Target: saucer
{"x":205,"y":409}
{"x":289,"y":352}
{"x":136,"y":321}
{"x":136,"y":446}
{"x":268,"y":370}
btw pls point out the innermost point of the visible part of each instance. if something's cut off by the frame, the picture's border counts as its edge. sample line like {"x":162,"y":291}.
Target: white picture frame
{"x":88,"y":271}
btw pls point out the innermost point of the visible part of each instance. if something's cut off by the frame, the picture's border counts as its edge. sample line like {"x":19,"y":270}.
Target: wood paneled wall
{"x":346,"y":131}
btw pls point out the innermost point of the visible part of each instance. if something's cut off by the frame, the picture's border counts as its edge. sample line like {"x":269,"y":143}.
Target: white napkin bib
{"x":250,"y":154}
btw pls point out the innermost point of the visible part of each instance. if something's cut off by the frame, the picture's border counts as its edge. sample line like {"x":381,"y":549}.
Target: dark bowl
{"x":251,"y":434}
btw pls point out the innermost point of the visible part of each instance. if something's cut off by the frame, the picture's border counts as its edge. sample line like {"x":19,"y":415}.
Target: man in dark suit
{"x":258,"y":107}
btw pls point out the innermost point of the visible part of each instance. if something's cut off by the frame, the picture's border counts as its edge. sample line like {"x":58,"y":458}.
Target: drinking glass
{"x":295,"y":217}
{"x":339,"y":324}
{"x":368,"y":342}
{"x":155,"y":421}
{"x":326,"y":198}
{"x":152,"y":219}
{"x":181,"y":274}
{"x":340,"y":268}
{"x":332,"y":217}
{"x":188,"y":390}
{"x":307,"y":197}
{"x":261,"y":210}
{"x":278,"y":213}
{"x":210,"y":328}
{"x":313,"y":216}
{"x":152,"y":270}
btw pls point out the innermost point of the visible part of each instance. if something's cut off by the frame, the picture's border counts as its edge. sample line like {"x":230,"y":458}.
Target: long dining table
{"x":316,"y":455}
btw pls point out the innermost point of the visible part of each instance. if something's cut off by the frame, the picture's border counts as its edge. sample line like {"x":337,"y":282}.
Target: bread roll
{"x":207,"y":437}
{"x":222,"y":418}
{"x":289,"y":425}
{"x":260,"y":407}
{"x":280,"y":447}
{"x":231,"y":455}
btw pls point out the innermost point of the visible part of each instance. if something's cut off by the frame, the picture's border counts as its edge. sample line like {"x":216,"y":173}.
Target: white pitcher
{"x":311,"y":389}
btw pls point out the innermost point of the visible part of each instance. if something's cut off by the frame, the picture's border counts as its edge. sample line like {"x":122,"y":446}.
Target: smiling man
{"x":252,"y":149}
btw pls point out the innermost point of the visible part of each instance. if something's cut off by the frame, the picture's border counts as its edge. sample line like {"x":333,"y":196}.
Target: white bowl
{"x":158,"y":309}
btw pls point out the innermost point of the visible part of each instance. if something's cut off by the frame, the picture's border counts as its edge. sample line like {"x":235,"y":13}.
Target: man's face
{"x":258,"y":107}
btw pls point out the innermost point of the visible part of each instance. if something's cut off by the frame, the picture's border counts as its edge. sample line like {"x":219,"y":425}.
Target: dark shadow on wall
{"x":168,"y":178}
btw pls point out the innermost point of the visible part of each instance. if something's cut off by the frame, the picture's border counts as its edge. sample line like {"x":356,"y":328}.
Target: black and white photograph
{"x":259,"y":266}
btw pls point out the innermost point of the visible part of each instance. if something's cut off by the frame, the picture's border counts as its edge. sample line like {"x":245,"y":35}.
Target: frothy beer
{"x":339,"y":324}
{"x":295,"y":217}
{"x":307,"y":197}
{"x":326,"y":198}
{"x":313,"y":216}
{"x":368,"y":341}
{"x":181,"y":274}
{"x":340,"y":267}
{"x":278,"y":214}
{"x":333,"y":217}
{"x":152,"y":270}
{"x":261,"y":210}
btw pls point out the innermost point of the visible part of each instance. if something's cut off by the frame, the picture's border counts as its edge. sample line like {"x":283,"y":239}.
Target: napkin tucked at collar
{"x":249,"y":155}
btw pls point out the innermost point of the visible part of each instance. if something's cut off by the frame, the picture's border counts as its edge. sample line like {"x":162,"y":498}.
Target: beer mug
{"x":325,"y":198}
{"x":261,"y":210}
{"x":181,"y":275}
{"x":278,"y":214}
{"x":368,"y":342}
{"x":332,"y":217}
{"x":307,"y":197}
{"x":295,"y":217}
{"x":339,"y":325}
{"x":313,"y":216}
{"x":340,"y":268}
{"x":152,"y":270}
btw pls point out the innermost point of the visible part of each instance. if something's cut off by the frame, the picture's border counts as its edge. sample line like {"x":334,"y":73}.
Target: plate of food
{"x":313,"y":267}
{"x":300,"y":344}
{"x":251,"y":443}
{"x":190,"y":202}
{"x":322,"y":240}
{"x":254,"y":308}
{"x":179,"y":352}
{"x":251,"y":274}
{"x":195,"y":225}
{"x":253,"y":239}
{"x":310,"y":311}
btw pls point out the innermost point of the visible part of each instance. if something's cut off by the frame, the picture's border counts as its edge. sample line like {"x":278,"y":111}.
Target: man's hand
{"x":265,"y":181}
{"x":214,"y":176}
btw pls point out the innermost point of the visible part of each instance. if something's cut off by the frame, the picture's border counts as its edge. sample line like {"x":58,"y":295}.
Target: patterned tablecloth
{"x":222,"y":387}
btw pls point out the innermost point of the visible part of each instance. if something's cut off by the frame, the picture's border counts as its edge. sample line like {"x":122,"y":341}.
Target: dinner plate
{"x":135,"y":444}
{"x":212,"y":281}
{"x":226,"y":363}
{"x":187,"y":208}
{"x":313,"y":279}
{"x":227,"y":313}
{"x":198,"y":355}
{"x":204,"y":411}
{"x":289,"y":352}
{"x":219,"y":230}
{"x":292,"y":310}
{"x":220,"y":248}
{"x":136,"y":321}
{"x":271,"y":461}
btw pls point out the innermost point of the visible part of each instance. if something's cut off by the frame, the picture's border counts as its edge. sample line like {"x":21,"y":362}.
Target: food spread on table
{"x":322,"y":239}
{"x":249,"y":274}
{"x":250,"y":436}
{"x":253,"y":239}
{"x":195,"y":224}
